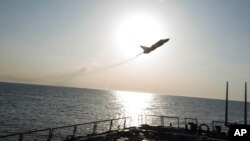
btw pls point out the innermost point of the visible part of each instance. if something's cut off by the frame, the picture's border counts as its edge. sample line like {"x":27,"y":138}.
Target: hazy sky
{"x":77,"y":43}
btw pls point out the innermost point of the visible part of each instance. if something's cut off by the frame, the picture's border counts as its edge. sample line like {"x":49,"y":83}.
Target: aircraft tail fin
{"x":145,"y":49}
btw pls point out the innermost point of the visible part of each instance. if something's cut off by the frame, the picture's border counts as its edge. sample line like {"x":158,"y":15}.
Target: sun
{"x":136,"y":30}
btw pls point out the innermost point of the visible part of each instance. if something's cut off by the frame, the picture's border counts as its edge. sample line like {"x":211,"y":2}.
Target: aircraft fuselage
{"x":147,"y":50}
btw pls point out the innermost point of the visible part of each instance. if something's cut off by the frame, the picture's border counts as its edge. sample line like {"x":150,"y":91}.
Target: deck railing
{"x":105,"y":126}
{"x":163,"y":120}
{"x":70,"y":131}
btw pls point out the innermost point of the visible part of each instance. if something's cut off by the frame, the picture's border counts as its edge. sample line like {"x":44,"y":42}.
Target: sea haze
{"x":26,"y":107}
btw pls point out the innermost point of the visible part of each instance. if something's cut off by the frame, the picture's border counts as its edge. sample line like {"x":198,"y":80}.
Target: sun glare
{"x":134,"y":103}
{"x":138,"y":30}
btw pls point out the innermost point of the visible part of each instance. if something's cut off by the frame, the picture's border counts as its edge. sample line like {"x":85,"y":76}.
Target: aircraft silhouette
{"x":147,"y":50}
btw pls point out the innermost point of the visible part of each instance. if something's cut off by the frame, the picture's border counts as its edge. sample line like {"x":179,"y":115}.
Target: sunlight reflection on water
{"x":134,"y":103}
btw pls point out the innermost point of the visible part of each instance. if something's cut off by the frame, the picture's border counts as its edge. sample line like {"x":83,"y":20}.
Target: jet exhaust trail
{"x":115,"y":65}
{"x":67,"y":77}
{"x":71,"y":76}
{"x":146,"y":50}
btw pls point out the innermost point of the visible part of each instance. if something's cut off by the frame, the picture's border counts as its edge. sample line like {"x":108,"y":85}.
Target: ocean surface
{"x":27,"y":107}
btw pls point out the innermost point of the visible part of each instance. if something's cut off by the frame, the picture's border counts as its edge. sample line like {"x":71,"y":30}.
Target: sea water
{"x":27,"y":107}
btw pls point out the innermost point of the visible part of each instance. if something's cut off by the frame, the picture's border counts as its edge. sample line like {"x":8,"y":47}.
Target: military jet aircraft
{"x":147,"y":50}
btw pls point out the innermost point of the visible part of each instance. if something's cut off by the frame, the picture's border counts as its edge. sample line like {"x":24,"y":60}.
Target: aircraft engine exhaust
{"x":116,"y":65}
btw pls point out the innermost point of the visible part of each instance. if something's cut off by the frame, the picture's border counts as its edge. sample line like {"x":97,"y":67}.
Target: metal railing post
{"x":110,"y":125}
{"x":213,"y":126}
{"x":162,"y":121}
{"x":94,"y":128}
{"x":185,"y":122}
{"x":21,"y":137}
{"x":178,"y":122}
{"x":124,"y":124}
{"x":50,"y":135}
{"x":74,"y":131}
